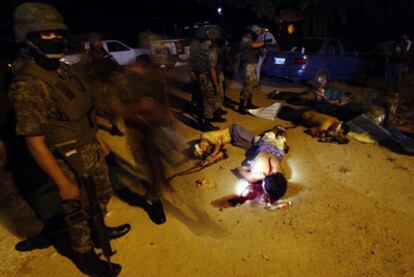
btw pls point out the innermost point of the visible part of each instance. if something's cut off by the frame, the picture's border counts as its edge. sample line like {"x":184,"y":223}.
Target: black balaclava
{"x":47,"y":52}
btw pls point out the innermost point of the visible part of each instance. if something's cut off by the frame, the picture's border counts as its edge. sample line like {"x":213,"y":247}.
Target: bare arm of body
{"x":44,"y":158}
{"x":245,"y":173}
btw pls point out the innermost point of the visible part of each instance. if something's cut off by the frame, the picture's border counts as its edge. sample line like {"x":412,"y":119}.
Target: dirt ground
{"x":352,"y":214}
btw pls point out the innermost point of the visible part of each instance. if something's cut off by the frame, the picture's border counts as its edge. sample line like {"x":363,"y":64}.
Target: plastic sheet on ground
{"x":363,"y":124}
{"x":392,"y":138}
{"x":363,"y":137}
{"x":269,"y":112}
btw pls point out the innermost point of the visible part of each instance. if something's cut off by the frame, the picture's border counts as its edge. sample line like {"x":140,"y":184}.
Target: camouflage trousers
{"x":211,"y":100}
{"x":222,"y":80}
{"x":249,"y":76}
{"x":94,"y":160}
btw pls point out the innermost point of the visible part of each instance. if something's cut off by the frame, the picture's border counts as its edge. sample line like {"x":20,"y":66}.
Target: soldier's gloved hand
{"x":69,"y":191}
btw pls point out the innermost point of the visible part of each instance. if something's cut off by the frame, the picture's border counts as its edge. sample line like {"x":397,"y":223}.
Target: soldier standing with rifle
{"x":249,"y":57}
{"x":210,"y":92}
{"x":54,"y":109}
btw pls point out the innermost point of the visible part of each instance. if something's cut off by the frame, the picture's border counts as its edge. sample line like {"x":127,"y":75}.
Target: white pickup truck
{"x":120,"y":52}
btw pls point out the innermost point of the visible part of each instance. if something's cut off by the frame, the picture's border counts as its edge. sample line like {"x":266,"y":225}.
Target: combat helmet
{"x":255,"y":29}
{"x":209,"y":32}
{"x":36,"y":17}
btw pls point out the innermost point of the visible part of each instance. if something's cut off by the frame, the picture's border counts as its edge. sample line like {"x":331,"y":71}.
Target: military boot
{"x":53,"y":228}
{"x":250,"y":105}
{"x":90,"y":264}
{"x":113,"y":233}
{"x":221,"y":112}
{"x":38,"y":241}
{"x":229,"y":103}
{"x":118,"y":231}
{"x":217,"y":118}
{"x":155,"y":211}
{"x":205,"y":125}
{"x":242,"y":106}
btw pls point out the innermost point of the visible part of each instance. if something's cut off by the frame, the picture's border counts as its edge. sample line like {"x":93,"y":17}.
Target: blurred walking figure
{"x":137,"y":95}
{"x":249,"y":58}
{"x":97,"y":64}
{"x":96,"y":49}
{"x":210,"y":91}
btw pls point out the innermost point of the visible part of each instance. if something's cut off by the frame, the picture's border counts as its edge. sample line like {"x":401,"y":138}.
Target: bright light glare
{"x":295,"y":172}
{"x":241,"y":186}
{"x":219,"y":10}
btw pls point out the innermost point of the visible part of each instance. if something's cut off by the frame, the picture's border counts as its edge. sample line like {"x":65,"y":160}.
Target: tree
{"x":330,"y":15}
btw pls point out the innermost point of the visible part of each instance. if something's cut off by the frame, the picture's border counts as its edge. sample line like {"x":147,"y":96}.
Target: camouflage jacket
{"x":38,"y":108}
{"x":204,"y":58}
{"x":248,"y":55}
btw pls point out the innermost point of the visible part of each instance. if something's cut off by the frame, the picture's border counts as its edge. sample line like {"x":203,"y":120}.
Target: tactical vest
{"x":201,"y":60}
{"x":76,"y":120}
{"x":248,"y":55}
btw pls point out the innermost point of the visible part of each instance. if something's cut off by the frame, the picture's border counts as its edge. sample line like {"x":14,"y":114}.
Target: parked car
{"x":169,"y":52}
{"x":120,"y":52}
{"x":317,"y":60}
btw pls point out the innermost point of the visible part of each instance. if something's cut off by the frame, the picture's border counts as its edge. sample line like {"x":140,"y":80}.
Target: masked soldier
{"x":53,"y":106}
{"x":210,"y":92}
{"x":249,"y":57}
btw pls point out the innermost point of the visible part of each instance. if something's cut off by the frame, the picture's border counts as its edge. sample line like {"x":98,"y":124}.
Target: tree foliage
{"x":329,"y":14}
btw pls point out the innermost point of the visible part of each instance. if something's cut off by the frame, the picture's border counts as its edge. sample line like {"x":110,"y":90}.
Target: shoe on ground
{"x":206,"y":126}
{"x":218,"y":118}
{"x":118,"y":231}
{"x":228,"y":100}
{"x":90,"y":264}
{"x":155,"y":211}
{"x":250,"y":105}
{"x":38,"y":241}
{"x":221,"y":112}
{"x":242,"y":109}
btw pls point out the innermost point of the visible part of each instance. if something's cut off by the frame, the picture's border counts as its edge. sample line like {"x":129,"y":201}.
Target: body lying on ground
{"x":262,"y":166}
{"x":322,"y":126}
{"x":312,"y":96}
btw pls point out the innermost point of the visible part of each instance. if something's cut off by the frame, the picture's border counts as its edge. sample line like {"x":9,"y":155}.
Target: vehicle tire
{"x":320,"y":79}
{"x":143,"y":60}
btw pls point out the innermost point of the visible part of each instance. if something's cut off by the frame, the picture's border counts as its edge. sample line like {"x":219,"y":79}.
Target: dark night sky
{"x":122,"y":19}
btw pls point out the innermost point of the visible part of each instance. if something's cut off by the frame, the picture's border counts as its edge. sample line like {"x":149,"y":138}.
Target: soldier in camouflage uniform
{"x":23,"y":183}
{"x":249,"y":57}
{"x":52,"y":107}
{"x":210,"y":91}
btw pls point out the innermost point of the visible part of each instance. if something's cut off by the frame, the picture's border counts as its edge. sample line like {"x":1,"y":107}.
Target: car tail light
{"x":300,"y":61}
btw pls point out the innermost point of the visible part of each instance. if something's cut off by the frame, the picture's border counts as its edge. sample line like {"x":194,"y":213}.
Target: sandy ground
{"x":352,"y":215}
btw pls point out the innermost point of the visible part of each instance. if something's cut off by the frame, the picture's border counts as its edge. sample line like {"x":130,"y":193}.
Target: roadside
{"x":352,"y":215}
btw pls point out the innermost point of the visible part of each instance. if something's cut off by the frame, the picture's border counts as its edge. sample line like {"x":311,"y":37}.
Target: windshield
{"x":303,"y":45}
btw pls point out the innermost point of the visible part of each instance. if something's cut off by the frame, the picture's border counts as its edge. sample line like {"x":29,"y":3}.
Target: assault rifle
{"x":90,"y":208}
